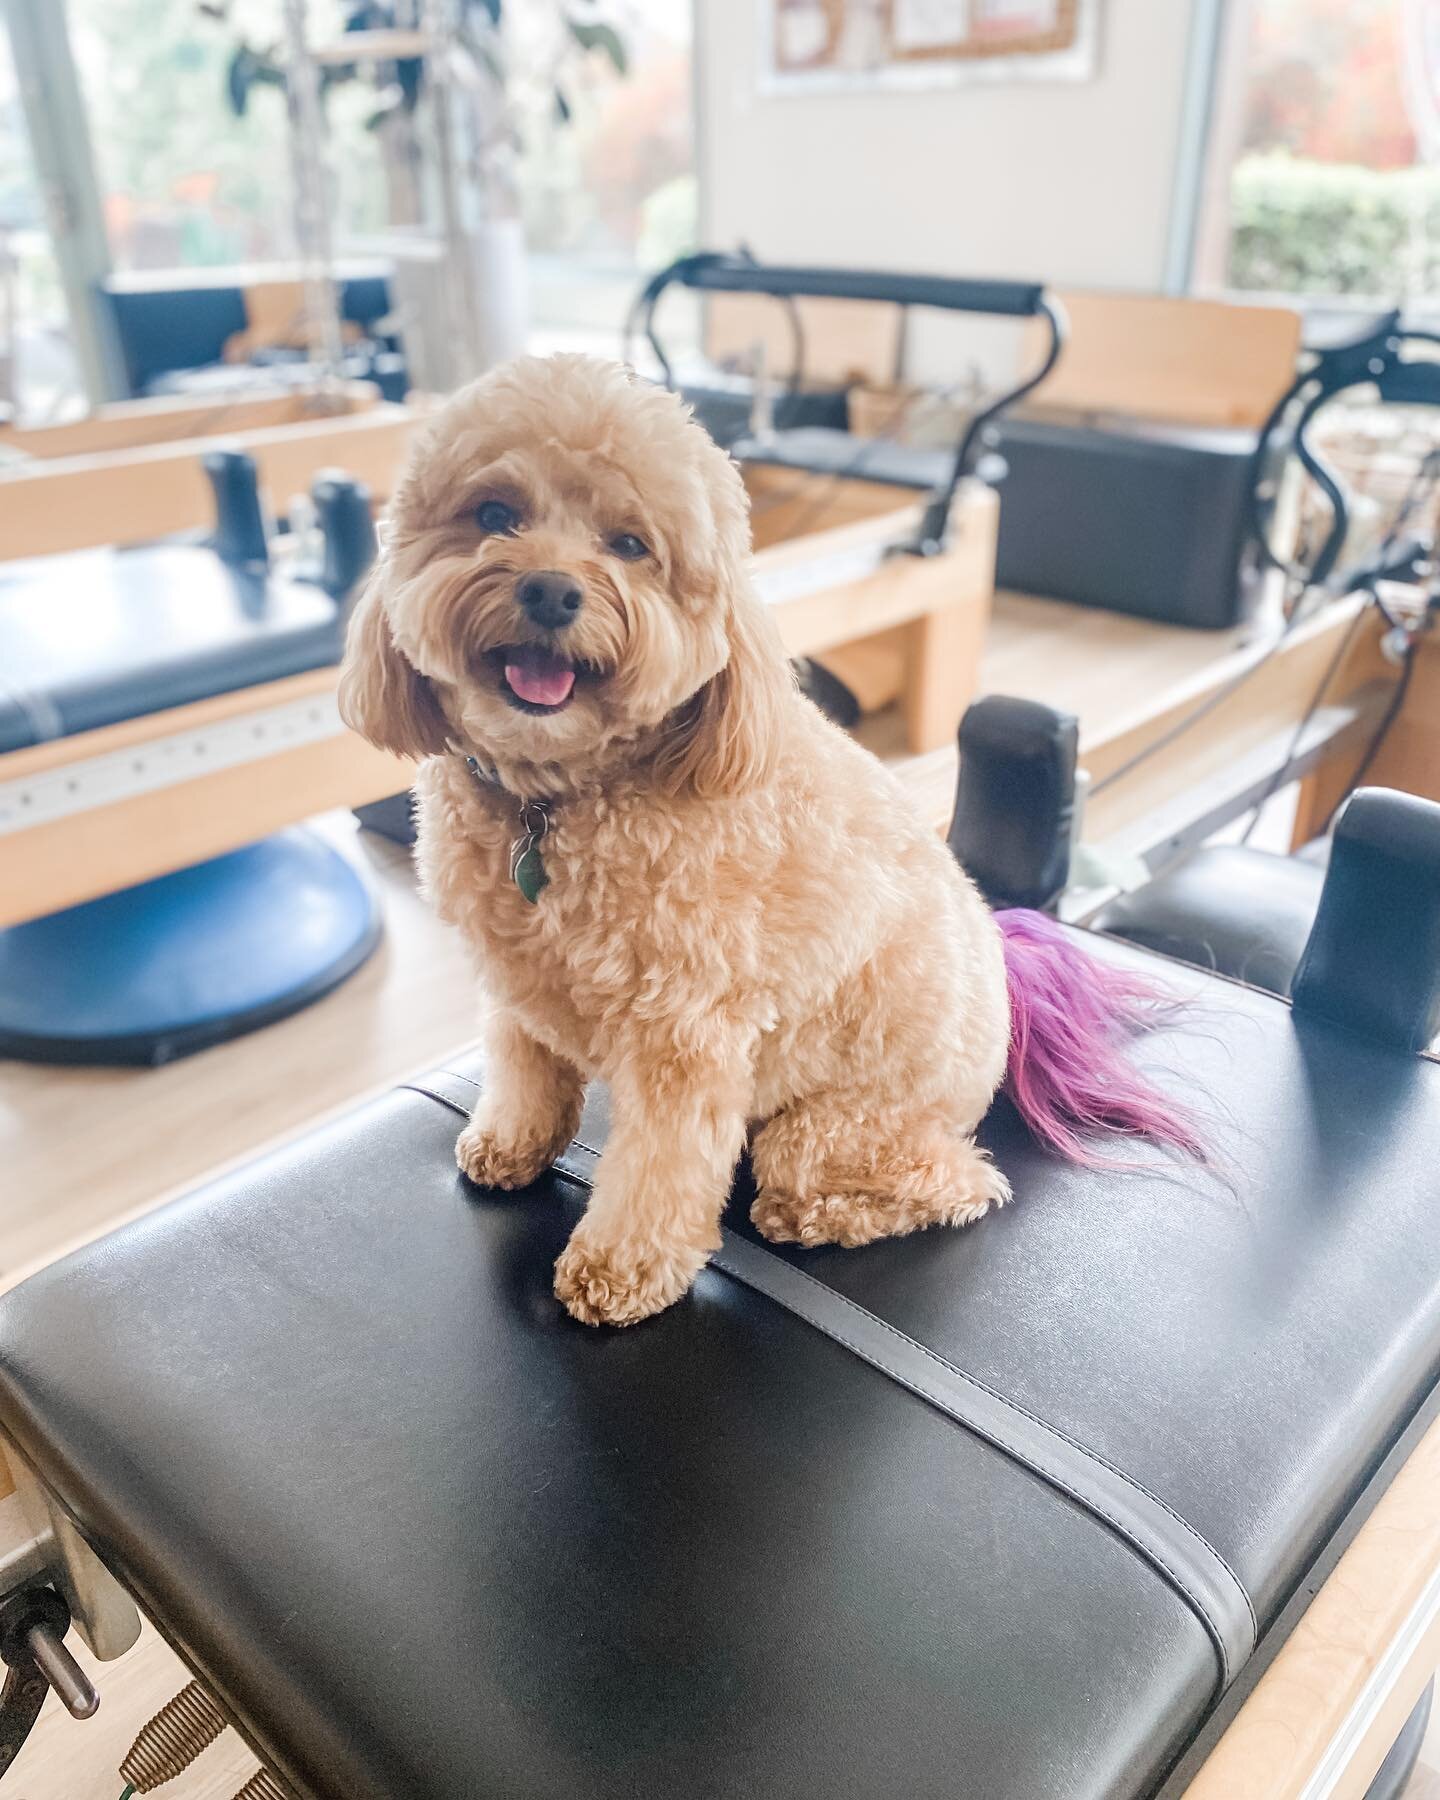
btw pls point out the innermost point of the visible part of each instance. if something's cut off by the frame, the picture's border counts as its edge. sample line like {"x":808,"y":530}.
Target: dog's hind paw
{"x":847,"y":1219}
{"x":854,"y":1219}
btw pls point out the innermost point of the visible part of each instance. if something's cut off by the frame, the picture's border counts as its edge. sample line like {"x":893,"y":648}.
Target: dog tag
{"x":529,"y":872}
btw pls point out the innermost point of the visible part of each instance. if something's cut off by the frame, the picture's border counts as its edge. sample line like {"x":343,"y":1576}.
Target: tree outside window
{"x":1323,"y":181}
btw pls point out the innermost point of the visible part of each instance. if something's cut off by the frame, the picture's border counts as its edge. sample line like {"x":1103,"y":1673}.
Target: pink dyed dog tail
{"x":1070,"y":1018}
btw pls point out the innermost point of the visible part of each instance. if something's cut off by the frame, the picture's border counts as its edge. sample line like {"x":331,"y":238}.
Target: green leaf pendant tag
{"x":527,"y":866}
{"x":529,"y":871}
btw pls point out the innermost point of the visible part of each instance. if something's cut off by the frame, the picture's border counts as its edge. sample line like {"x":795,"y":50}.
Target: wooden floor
{"x":82,"y":1150}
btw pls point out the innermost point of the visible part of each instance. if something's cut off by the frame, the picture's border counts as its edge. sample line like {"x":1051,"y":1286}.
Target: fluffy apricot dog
{"x":676,"y":874}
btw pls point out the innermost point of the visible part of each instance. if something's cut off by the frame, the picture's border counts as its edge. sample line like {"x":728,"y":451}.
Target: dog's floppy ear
{"x":729,"y":736}
{"x":381,"y":695}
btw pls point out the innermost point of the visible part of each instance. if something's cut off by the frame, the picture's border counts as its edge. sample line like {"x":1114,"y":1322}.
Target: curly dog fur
{"x":745,"y":927}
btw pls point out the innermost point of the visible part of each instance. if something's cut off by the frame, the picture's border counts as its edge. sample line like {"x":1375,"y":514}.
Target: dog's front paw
{"x":602,"y":1284}
{"x":493,"y":1161}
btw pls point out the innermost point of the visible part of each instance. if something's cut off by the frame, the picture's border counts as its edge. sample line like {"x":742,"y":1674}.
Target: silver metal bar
{"x":59,"y":135}
{"x":437,"y":21}
{"x":75,"y":1690}
{"x":102,"y":1612}
{"x":1193,"y":816}
{"x":1199,"y":812}
{"x":163,"y":762}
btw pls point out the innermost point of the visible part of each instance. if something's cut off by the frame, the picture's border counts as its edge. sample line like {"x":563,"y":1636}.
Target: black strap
{"x":1192,"y":1566}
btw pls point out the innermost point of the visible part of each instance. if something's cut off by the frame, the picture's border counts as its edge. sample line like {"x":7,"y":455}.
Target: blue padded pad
{"x":278,"y":368}
{"x":161,"y":329}
{"x":364,"y":298}
{"x":173,"y":328}
{"x":99,"y":636}
{"x":188,"y":959}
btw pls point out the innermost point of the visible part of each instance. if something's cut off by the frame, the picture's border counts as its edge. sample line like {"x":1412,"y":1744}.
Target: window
{"x":606,"y":189}
{"x":599,"y":159}
{"x":1321,"y":179}
{"x":39,"y":376}
{"x":185,"y":182}
{"x":609,"y":191}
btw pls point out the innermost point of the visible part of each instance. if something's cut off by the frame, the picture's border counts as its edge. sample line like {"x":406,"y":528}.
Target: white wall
{"x":1065,"y":182}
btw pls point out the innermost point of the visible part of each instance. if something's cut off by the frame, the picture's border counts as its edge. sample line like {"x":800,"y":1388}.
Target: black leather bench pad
{"x":1175,"y":1550}
{"x":427,"y":1537}
{"x":1244,"y":913}
{"x":1247,"y":1351}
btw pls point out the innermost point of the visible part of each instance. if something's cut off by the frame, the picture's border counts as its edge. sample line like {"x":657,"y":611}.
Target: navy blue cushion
{"x":186,"y":326}
{"x":172,"y":328}
{"x":189,"y":959}
{"x":103,"y":635}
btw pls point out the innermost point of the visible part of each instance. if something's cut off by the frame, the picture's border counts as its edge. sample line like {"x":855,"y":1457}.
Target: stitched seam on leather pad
{"x":937,"y":1399}
{"x":1040,"y":1424}
{"x":1147,"y":1552}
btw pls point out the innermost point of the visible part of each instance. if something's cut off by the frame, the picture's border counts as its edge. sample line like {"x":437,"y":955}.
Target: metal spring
{"x":172,"y":1740}
{"x":262,"y":1785}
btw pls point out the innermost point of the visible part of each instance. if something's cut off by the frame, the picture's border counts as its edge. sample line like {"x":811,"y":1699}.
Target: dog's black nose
{"x":550,"y":599}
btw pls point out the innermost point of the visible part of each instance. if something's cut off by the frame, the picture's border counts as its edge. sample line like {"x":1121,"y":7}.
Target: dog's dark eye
{"x":628,"y":547}
{"x":495,"y":517}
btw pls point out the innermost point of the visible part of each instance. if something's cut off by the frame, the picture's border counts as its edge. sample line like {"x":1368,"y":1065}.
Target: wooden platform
{"x":156,"y":485}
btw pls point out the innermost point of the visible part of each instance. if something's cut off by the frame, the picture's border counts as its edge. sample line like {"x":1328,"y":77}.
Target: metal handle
{"x":1373,"y":359}
{"x":74,"y":1688}
{"x":33,"y":1623}
{"x":711,"y":272}
{"x":714,"y":273}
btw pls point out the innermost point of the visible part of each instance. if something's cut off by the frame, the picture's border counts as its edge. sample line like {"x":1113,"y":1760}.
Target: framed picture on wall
{"x":810,"y":46}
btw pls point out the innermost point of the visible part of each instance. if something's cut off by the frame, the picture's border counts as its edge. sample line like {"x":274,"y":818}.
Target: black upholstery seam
{"x":1084,"y":1450}
{"x":1015,"y":1406}
{"x":1146,"y":1552}
{"x":418,"y":1087}
{"x":1044,"y":1425}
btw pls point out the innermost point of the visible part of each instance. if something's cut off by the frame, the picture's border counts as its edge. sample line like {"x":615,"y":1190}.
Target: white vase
{"x":501,"y":290}
{"x":454,"y":329}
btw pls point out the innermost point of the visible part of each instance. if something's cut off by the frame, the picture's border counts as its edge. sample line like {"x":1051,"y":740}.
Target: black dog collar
{"x":527,"y":865}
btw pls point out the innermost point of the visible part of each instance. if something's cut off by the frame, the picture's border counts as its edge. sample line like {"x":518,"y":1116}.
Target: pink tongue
{"x":541,"y":684}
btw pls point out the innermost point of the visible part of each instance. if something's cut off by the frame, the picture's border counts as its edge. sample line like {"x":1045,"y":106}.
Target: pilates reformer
{"x":1241,"y":911}
{"x":131,"y":680}
{"x":943,"y":607}
{"x":134,"y":472}
{"x":416,"y":1535}
{"x":1126,"y":463}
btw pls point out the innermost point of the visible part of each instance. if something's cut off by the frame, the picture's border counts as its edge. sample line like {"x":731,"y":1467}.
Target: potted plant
{"x":456,"y":60}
